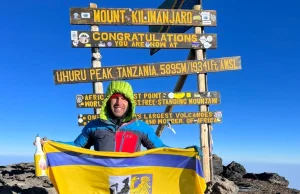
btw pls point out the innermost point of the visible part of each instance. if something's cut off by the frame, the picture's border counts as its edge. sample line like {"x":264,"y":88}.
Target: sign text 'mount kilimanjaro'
{"x":154,"y":99}
{"x":126,"y":16}
{"x":164,"y":118}
{"x":95,"y":39}
{"x":68,"y":76}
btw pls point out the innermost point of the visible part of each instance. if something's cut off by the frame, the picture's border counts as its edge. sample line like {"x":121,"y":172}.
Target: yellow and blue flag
{"x":75,"y":170}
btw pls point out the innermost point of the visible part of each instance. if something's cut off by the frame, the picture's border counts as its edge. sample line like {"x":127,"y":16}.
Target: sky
{"x":259,"y":103}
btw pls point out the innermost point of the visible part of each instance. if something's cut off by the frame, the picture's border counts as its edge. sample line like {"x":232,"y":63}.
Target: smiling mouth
{"x":118,"y":108}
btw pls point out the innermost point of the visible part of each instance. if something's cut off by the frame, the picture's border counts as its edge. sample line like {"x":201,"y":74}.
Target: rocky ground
{"x":20,"y":179}
{"x":230,"y":179}
{"x":234,"y":179}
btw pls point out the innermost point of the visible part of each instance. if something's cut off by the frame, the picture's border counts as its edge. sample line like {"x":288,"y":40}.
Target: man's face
{"x":118,"y":105}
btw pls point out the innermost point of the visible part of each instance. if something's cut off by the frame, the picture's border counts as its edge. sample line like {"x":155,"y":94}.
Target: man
{"x":117,"y":129}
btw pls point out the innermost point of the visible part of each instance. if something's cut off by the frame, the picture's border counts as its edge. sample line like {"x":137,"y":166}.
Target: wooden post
{"x":178,"y":87}
{"x":210,"y":151}
{"x":204,"y":135}
{"x":96,"y":62}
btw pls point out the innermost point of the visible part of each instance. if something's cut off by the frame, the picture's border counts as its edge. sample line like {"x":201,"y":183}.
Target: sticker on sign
{"x":74,"y":35}
{"x":85,"y":15}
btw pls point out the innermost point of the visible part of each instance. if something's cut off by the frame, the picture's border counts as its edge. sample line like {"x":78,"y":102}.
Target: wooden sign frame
{"x":154,"y":99}
{"x":142,"y":17}
{"x":151,"y":70}
{"x":164,"y":118}
{"x":96,"y":39}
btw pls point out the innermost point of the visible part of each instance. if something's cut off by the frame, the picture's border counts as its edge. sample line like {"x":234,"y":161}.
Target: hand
{"x":197,"y":149}
{"x":43,"y":140}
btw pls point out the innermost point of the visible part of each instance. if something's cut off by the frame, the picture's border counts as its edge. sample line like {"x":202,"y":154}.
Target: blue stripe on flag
{"x":163,"y":160}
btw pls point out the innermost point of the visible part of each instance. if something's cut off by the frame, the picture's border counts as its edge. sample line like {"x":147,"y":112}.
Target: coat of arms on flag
{"x":132,"y":184}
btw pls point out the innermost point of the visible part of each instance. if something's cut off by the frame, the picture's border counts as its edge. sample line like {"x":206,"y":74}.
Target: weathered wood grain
{"x":150,"y":17}
{"x":84,"y":75}
{"x":154,"y":99}
{"x":164,"y":118}
{"x":86,"y":39}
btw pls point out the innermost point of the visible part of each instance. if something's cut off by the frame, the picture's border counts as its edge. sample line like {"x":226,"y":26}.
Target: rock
{"x":248,"y":188}
{"x":251,"y":186}
{"x":20,"y":178}
{"x":217,"y":165}
{"x":234,"y":171}
{"x":273,"y":178}
{"x":250,"y":176}
{"x":23,"y":177}
{"x":35,"y":190}
{"x":8,"y":189}
{"x":221,"y":185}
{"x":253,"y":183}
{"x":231,"y":175}
{"x":236,"y":167}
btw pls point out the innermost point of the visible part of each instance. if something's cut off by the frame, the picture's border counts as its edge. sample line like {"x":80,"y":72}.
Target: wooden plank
{"x":164,"y":118}
{"x":144,"y":17}
{"x":96,"y":62}
{"x":154,"y":99}
{"x":202,"y":87}
{"x":84,"y":75}
{"x":86,"y":39}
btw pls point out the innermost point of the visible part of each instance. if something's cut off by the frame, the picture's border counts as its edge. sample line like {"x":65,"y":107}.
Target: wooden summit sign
{"x":68,"y":76}
{"x":95,"y":39}
{"x":164,"y":118}
{"x":154,"y":99}
{"x":127,"y":16}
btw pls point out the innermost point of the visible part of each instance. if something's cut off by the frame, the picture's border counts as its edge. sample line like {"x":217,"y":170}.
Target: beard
{"x":113,"y":116}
